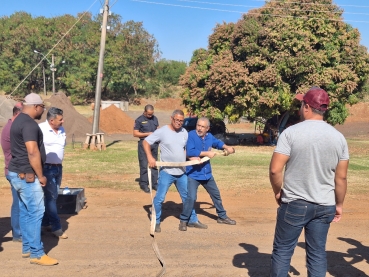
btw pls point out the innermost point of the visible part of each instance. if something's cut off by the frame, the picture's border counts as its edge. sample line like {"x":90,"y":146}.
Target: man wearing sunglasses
{"x":172,"y":141}
{"x":26,"y":177}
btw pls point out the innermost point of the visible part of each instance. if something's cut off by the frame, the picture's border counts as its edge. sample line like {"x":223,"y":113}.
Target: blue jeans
{"x":32,"y":208}
{"x":211,"y":187}
{"x":164,"y":182}
{"x":53,"y":173}
{"x":291,"y":219}
{"x":14,"y":213}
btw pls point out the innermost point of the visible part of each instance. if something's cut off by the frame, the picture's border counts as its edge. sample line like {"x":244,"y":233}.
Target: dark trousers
{"x":211,"y":187}
{"x":142,"y":159}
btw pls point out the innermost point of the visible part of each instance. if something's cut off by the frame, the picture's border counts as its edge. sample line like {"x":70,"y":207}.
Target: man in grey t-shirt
{"x":315,"y":157}
{"x":172,"y":140}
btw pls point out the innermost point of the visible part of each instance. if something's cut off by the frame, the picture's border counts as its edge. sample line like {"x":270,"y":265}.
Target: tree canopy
{"x":132,"y":62}
{"x":256,"y":66}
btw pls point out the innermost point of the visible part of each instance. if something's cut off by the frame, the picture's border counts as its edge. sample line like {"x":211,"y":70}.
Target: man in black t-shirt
{"x":26,"y":177}
{"x":146,"y":124}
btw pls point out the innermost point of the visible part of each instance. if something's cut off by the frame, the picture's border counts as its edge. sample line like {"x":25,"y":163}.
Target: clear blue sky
{"x":180,"y":27}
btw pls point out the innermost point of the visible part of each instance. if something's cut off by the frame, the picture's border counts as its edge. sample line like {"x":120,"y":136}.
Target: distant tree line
{"x":132,"y":64}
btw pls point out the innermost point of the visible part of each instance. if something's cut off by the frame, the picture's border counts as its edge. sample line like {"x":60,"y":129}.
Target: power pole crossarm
{"x":96,"y":118}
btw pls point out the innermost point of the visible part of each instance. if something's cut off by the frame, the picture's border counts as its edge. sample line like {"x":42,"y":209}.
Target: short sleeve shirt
{"x":24,"y":129}
{"x":172,"y":146}
{"x":146,"y":125}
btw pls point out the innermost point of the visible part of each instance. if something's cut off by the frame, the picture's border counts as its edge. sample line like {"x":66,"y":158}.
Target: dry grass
{"x":117,"y":167}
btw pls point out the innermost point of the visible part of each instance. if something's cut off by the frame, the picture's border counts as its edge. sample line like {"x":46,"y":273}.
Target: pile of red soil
{"x":165,"y":104}
{"x":114,"y":121}
{"x":74,"y":123}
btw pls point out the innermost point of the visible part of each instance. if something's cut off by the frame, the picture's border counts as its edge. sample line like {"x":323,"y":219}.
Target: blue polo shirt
{"x":195,"y":145}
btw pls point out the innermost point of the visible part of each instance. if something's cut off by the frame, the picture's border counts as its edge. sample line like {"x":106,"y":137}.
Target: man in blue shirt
{"x":199,"y":144}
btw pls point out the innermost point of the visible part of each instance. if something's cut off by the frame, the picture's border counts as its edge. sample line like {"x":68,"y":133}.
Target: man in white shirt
{"x":54,"y":141}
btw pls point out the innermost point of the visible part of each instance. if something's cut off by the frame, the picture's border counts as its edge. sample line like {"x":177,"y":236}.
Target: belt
{"x":52,"y":164}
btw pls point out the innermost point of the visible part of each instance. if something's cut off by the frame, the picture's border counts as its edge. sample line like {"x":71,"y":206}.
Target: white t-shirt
{"x":314,"y":148}
{"x":54,"y":143}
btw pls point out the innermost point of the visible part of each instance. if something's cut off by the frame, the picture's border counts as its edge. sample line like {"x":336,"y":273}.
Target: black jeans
{"x":142,"y":159}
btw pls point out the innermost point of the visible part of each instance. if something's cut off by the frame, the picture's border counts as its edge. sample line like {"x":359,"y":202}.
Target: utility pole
{"x":53,"y":71}
{"x":43,"y":73}
{"x":96,"y":118}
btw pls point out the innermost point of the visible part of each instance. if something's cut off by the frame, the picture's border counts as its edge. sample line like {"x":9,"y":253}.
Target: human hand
{"x":42,"y":181}
{"x":338,"y":215}
{"x":278,"y":198}
{"x":151,"y":162}
{"x":210,"y":154}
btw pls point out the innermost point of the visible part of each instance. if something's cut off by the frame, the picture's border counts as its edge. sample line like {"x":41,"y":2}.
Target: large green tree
{"x":255,"y":67}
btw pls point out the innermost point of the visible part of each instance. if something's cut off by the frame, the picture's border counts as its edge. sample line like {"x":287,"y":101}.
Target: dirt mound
{"x":358,"y":113}
{"x":74,"y":122}
{"x":165,"y":104}
{"x":114,"y":121}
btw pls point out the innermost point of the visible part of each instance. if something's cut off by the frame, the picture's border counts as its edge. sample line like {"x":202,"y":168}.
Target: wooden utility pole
{"x":96,"y":117}
{"x":52,"y":67}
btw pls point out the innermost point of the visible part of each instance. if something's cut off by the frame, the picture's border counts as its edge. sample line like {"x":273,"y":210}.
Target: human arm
{"x":276,"y":174}
{"x":34,"y":157}
{"x":340,"y":180}
{"x":150,"y":159}
{"x":138,"y":134}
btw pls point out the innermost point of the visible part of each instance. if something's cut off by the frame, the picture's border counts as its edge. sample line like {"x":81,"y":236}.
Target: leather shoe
{"x":145,"y":189}
{"x":226,"y":220}
{"x":197,"y":224}
{"x":157,"y":228}
{"x":182,"y":226}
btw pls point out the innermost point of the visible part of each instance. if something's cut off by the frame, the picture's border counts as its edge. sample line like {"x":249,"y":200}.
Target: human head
{"x":33,"y":106}
{"x":202,"y":126}
{"x":177,"y":119}
{"x":55,"y":118}
{"x":149,"y":111}
{"x":17,"y":109}
{"x":316,"y":98}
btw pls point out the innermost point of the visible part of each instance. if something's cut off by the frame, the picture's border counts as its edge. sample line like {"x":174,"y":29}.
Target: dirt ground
{"x":111,"y":236}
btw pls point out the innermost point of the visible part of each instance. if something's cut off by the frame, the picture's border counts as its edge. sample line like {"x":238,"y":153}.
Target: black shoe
{"x":226,"y":220}
{"x":197,"y":224}
{"x":145,"y":189}
{"x":155,"y":187}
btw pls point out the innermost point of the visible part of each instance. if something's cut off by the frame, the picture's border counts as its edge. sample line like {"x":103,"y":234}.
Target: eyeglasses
{"x":42,"y":106}
{"x":177,"y":120}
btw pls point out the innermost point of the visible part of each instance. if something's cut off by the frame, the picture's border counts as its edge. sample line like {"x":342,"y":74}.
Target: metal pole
{"x":53,"y":72}
{"x":43,"y":73}
{"x":96,"y":118}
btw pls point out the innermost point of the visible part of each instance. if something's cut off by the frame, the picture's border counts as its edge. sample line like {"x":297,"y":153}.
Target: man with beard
{"x":54,"y":142}
{"x":314,"y":157}
{"x":199,"y":144}
{"x":26,"y":177}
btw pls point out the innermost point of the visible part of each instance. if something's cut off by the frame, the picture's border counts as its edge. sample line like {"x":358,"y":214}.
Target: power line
{"x":287,"y":9}
{"x":247,"y":12}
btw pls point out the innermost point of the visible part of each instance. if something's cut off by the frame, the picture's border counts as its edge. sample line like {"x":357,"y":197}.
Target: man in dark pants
{"x":145,"y":125}
{"x":199,"y":144}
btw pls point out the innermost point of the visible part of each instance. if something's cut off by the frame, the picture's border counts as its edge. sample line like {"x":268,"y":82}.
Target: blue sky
{"x":180,"y":27}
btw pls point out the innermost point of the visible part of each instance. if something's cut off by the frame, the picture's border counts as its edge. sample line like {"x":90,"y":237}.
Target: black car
{"x":217,"y":126}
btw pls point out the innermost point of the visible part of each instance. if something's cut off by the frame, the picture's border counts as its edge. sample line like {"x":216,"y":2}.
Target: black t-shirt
{"x":146,"y":125}
{"x":24,"y":129}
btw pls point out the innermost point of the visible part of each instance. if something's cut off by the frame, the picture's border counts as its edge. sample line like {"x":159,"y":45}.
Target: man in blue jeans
{"x":199,"y":144}
{"x":5,"y":145}
{"x":26,"y":177}
{"x":172,"y":141}
{"x":54,"y":141}
{"x":315,"y":157}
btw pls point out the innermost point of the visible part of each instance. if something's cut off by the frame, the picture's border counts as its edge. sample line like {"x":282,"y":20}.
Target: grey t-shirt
{"x":314,"y":148}
{"x":172,"y":147}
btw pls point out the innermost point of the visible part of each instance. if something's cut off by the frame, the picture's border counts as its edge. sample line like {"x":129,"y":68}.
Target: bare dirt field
{"x":111,"y":237}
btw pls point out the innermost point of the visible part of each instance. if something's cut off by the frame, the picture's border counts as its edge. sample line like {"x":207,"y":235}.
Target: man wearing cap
{"x":26,"y":177}
{"x":315,"y":158}
{"x":144,"y":126}
{"x":54,"y":142}
{"x":5,"y":145}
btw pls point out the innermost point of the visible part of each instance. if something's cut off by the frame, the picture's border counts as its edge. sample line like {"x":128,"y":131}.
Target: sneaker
{"x":60,"y":234}
{"x":17,"y":239}
{"x":226,"y":220}
{"x":157,"y":228}
{"x":182,"y":226}
{"x":44,"y":260}
{"x":197,"y":224}
{"x":26,"y":255}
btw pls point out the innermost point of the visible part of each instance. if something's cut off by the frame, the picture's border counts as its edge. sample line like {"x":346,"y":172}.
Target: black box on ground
{"x":71,"y":203}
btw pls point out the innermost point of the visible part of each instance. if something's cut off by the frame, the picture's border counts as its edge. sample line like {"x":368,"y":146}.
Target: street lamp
{"x":52,"y":68}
